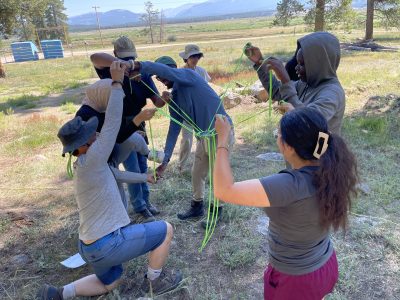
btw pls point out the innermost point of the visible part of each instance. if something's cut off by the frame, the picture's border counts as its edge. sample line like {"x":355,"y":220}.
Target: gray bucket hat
{"x":75,"y":133}
{"x":124,"y":47}
{"x":190,"y":50}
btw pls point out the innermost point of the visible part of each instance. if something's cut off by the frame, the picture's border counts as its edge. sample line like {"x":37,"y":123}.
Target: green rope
{"x":185,"y":116}
{"x":209,"y":136}
{"x":153,"y":151}
{"x":213,"y":202}
{"x":69,"y":167}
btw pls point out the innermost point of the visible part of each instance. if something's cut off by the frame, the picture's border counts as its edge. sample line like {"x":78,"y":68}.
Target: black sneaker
{"x":167,"y":281}
{"x":154,"y":211}
{"x":49,"y":292}
{"x":196,"y":210}
{"x":204,"y":222}
{"x":144,"y":216}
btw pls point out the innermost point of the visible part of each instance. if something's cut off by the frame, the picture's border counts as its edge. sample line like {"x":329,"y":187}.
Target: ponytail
{"x":335,"y":181}
{"x":306,"y":130}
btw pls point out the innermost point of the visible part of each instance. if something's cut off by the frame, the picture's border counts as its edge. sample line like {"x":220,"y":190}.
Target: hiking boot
{"x":156,"y":156}
{"x":167,"y":281}
{"x":49,"y":292}
{"x":204,"y":222}
{"x":145,"y":216}
{"x":154,"y":211}
{"x":196,"y":210}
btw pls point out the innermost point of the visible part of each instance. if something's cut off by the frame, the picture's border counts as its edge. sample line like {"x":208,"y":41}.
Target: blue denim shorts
{"x":107,"y":254}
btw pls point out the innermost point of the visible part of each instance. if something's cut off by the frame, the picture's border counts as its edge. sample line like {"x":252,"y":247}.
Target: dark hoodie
{"x":322,"y":91}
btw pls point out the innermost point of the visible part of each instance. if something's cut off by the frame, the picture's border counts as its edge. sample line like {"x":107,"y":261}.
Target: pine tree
{"x":388,"y":11}
{"x":286,"y":9}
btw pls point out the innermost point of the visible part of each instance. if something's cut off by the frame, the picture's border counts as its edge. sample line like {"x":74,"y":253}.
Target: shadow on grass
{"x":231,"y":265}
{"x":22,"y":102}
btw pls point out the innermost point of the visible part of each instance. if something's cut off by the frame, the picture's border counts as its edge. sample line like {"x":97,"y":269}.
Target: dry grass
{"x":39,"y":219}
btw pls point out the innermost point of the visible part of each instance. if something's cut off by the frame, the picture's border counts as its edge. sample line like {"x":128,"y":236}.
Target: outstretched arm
{"x":101,"y":149}
{"x":102,"y":60}
{"x":181,"y":76}
{"x":128,"y":177}
{"x":248,"y":192}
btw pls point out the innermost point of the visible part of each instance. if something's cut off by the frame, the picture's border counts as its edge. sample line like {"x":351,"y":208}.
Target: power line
{"x":98,"y":24}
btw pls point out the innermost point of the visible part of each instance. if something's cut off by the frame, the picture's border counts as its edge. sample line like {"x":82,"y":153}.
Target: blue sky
{"x":78,"y":7}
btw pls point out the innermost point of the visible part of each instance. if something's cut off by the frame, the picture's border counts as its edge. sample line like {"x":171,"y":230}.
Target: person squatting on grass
{"x":192,"y":96}
{"x":191,"y":57}
{"x":303,"y":203}
{"x":96,"y":99}
{"x":136,"y":94}
{"x":318,"y":57}
{"x":106,"y":240}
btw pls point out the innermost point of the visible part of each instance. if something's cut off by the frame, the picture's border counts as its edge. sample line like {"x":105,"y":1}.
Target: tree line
{"x":33,"y":19}
{"x":328,"y":14}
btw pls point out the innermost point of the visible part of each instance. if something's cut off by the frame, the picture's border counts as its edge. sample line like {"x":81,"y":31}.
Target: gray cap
{"x":124,"y":47}
{"x":190,"y":50}
{"x":76,"y":133}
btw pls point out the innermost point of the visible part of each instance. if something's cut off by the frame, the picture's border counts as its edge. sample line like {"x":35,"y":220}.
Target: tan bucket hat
{"x":124,"y":47}
{"x":190,"y":50}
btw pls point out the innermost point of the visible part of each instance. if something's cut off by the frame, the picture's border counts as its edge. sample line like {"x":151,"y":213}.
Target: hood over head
{"x":321,"y":52}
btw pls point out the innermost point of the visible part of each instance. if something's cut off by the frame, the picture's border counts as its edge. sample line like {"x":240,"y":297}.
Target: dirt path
{"x":69,"y":53}
{"x":51,"y":104}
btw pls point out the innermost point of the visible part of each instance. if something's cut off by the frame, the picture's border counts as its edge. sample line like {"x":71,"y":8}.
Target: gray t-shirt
{"x":296,"y":241}
{"x":101,"y":210}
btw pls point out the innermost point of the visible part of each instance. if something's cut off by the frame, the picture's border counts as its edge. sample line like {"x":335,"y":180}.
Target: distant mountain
{"x":172,"y":12}
{"x":208,"y":10}
{"x":226,"y":7}
{"x":110,"y":18}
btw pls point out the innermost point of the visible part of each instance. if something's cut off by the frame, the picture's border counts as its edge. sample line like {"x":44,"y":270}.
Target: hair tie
{"x":325,"y":137}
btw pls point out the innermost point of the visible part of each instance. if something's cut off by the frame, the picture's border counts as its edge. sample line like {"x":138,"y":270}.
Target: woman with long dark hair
{"x":304,"y":203}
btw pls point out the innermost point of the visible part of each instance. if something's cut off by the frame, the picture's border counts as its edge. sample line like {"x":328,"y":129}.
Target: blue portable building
{"x":24,"y":51}
{"x":52,"y":49}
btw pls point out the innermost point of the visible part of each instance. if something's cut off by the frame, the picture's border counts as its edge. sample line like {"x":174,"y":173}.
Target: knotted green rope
{"x":209,"y":137}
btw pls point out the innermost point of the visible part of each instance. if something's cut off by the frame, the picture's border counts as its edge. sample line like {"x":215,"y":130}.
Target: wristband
{"x":117,"y":81}
{"x":223,"y":147}
{"x":132,"y":64}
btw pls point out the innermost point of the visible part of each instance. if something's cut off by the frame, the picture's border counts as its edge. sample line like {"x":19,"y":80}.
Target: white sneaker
{"x":156,"y":156}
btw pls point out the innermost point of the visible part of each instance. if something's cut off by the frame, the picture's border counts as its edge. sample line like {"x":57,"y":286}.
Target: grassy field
{"x":38,"y":216}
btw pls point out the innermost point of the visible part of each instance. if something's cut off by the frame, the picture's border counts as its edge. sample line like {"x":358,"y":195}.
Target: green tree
{"x":150,"y":18}
{"x":21,"y":17}
{"x":286,"y":9}
{"x":330,"y":14}
{"x":8,"y":11}
{"x":387,"y":11}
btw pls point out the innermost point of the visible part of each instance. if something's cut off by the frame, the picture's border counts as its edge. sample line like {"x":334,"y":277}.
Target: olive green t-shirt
{"x":297,"y":243}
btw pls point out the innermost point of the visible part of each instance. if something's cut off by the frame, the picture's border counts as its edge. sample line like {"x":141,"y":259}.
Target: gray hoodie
{"x":322,"y":91}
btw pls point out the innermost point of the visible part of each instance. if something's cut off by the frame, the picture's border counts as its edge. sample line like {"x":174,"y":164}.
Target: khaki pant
{"x":200,"y":166}
{"x":186,"y":146}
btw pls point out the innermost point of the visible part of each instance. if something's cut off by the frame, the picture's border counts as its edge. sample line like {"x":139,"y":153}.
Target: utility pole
{"x":98,"y":24}
{"x":161,"y":27}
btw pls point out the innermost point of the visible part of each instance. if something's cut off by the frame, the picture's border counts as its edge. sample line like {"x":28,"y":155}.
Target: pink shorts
{"x":310,"y":286}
